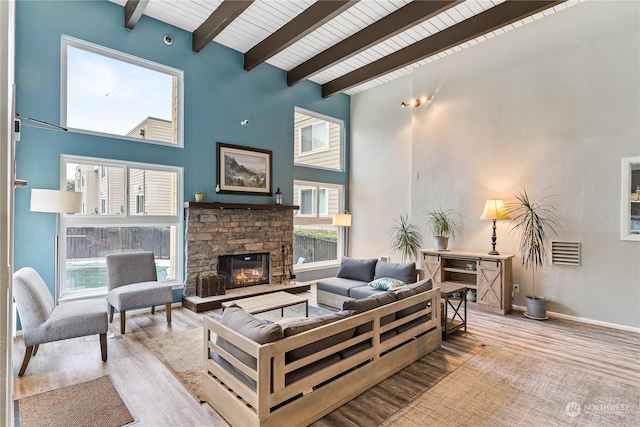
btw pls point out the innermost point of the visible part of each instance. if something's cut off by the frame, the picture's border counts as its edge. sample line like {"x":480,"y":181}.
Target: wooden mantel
{"x":248,"y":206}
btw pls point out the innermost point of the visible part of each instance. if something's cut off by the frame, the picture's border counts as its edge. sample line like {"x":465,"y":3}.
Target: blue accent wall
{"x":218,"y":95}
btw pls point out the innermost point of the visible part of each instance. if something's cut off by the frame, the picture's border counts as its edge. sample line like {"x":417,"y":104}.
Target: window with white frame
{"x":111,"y":220}
{"x":318,"y":140}
{"x":315,"y":239}
{"x":109,"y":92}
{"x":314,"y":137}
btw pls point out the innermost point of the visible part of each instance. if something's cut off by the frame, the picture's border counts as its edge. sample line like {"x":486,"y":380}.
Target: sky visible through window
{"x":112,"y":96}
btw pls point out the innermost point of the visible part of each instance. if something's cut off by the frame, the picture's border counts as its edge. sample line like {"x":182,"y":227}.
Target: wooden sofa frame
{"x":275,"y":403}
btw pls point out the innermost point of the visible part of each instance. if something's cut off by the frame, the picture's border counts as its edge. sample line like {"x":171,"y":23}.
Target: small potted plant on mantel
{"x":442,"y":226}
{"x":406,"y":238}
{"x":533,"y":221}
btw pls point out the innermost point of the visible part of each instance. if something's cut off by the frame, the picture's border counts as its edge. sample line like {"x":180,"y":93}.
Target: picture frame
{"x":243,"y":170}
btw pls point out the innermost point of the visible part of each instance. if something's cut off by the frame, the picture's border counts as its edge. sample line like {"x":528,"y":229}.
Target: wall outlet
{"x":516,"y":288}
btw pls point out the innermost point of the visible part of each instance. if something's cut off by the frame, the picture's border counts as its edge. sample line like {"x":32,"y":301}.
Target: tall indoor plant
{"x":442,"y":226}
{"x":533,"y":221}
{"x":406,"y":238}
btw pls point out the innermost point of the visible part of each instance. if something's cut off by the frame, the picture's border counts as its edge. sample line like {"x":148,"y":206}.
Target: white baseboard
{"x":584,"y":320}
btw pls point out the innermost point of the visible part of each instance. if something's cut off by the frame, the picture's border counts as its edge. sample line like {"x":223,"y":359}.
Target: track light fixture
{"x":416,"y":102}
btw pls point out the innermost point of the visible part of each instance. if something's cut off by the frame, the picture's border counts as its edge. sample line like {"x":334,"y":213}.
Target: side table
{"x":458,"y":320}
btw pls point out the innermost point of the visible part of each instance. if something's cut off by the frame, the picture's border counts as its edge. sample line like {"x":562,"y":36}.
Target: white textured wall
{"x":552,"y":105}
{"x":380,"y":186}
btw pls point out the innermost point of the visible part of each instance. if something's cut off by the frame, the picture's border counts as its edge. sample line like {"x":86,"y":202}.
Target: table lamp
{"x":494,"y":210}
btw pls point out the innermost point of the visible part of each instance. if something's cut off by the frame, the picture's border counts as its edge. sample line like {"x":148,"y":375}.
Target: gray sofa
{"x":259,"y":373}
{"x":354,"y":276}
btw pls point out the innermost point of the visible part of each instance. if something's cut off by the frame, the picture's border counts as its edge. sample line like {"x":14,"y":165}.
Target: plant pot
{"x":536,"y":307}
{"x":199,"y":197}
{"x":441,"y":242}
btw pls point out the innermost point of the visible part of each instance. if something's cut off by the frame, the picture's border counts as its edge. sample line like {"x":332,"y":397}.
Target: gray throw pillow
{"x":245,"y":324}
{"x":357,"y":269}
{"x":405,"y":272}
{"x":421,"y":286}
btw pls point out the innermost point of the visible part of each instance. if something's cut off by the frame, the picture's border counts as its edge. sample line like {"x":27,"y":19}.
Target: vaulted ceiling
{"x":345,"y":46}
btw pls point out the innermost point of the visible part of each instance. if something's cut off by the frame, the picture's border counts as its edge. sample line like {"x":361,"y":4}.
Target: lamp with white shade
{"x":56,"y":201}
{"x":494,"y":210}
{"x":343,"y":220}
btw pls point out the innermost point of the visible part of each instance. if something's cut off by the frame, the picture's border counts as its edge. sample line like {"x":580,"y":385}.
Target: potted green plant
{"x":533,"y":221}
{"x":442,"y":226}
{"x":199,"y":196}
{"x":406,"y":238}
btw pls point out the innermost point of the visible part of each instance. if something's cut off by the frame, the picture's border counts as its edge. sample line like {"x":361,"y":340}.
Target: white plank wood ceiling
{"x":262,"y":18}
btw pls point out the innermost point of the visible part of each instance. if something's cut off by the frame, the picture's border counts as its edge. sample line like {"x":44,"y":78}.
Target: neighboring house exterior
{"x":317,"y":142}
{"x":155,"y":129}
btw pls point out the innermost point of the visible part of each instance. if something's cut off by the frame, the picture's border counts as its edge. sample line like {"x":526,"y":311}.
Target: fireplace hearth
{"x":244,"y":270}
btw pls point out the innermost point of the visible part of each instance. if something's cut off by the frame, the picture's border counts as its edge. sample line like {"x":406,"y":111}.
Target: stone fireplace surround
{"x":215,"y":229}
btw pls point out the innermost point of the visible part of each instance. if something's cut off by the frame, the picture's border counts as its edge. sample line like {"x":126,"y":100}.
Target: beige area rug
{"x":498,"y":387}
{"x":91,"y":403}
{"x":181,"y":353}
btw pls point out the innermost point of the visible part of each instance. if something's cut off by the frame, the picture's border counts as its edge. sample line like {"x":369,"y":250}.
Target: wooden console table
{"x":488,"y":276}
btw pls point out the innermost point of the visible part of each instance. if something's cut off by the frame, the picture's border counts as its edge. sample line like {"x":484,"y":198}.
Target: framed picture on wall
{"x":243,"y":170}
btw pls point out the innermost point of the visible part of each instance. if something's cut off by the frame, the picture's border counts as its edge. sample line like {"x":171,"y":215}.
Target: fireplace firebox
{"x":244,"y":270}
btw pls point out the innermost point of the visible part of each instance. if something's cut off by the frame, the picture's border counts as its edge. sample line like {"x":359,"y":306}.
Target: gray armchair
{"x":133,"y":283}
{"x":42,"y":321}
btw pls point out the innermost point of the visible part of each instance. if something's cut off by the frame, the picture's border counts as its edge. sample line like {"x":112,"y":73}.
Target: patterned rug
{"x":498,"y":387}
{"x":90,"y":403}
{"x":180,"y":351}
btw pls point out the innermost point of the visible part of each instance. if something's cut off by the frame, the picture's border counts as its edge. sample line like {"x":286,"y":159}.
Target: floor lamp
{"x":343,"y":220}
{"x":56,"y":201}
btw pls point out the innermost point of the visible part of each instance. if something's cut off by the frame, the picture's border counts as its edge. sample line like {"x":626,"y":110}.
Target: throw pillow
{"x":386,"y":283}
{"x":357,"y":269}
{"x":405,"y":272}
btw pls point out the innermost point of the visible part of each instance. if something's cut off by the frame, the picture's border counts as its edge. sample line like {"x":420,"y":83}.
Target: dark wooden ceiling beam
{"x":217,"y":21}
{"x":133,"y":12}
{"x":483,"y":23}
{"x":396,"y":22}
{"x":309,"y":20}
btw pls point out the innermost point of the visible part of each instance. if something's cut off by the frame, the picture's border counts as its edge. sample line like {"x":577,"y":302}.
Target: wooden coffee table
{"x":268,"y":302}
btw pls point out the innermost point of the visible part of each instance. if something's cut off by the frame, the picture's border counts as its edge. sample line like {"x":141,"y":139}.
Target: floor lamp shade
{"x":55,"y":201}
{"x":342,"y":220}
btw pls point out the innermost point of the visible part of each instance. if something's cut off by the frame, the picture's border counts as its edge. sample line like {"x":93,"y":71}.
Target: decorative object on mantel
{"x":343,"y":220}
{"x":533,"y":221}
{"x":494,"y":210}
{"x":243,"y":170}
{"x":199,"y":196}
{"x":442,"y":226}
{"x":278,"y":198}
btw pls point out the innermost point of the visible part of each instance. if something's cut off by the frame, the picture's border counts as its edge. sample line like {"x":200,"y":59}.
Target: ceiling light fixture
{"x":417,"y":102}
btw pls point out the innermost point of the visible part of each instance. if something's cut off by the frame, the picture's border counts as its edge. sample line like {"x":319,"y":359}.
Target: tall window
{"x":114,"y":196}
{"x":108,"y":92}
{"x":314,"y":137}
{"x":318,"y":141}
{"x":315,"y":240}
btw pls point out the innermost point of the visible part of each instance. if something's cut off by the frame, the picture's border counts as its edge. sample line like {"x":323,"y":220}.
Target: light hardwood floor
{"x":156,"y":398}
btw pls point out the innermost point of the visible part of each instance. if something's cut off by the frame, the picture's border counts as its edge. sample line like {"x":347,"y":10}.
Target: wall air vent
{"x":564,"y":252}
